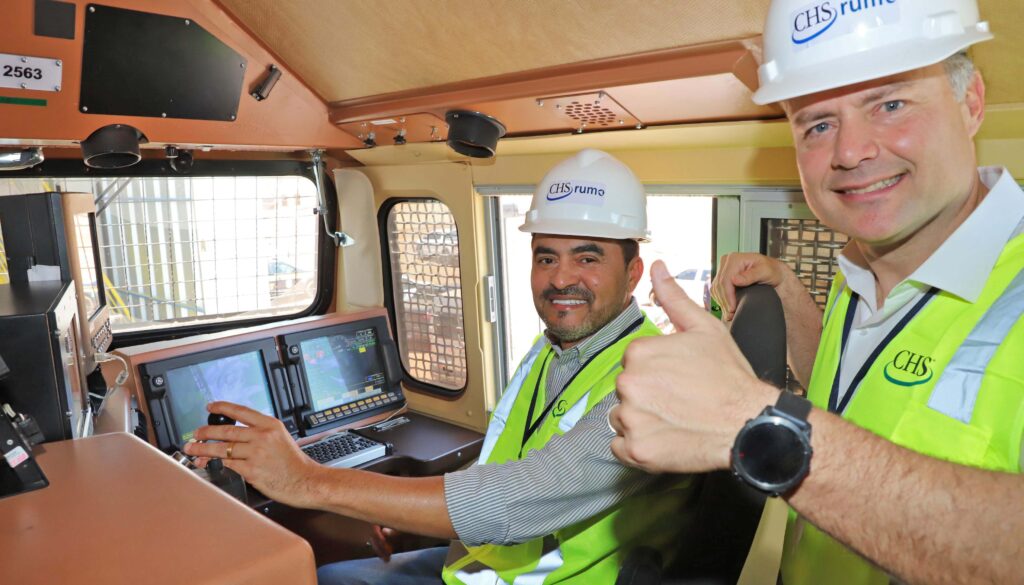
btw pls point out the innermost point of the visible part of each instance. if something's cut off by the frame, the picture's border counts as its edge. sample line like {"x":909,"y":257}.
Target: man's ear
{"x":635,"y":270}
{"x":974,"y":104}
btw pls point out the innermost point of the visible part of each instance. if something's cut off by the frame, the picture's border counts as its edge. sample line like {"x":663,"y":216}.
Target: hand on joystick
{"x":216,"y":465}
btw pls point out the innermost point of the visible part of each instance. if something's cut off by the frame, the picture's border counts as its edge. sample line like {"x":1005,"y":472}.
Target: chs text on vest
{"x":912,"y":364}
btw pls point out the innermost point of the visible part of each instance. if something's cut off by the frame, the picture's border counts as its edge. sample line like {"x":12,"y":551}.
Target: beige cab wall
{"x":452,"y":184}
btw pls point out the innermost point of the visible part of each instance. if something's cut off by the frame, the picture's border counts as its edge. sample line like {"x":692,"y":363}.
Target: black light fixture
{"x":113,"y":147}
{"x":473,"y":133}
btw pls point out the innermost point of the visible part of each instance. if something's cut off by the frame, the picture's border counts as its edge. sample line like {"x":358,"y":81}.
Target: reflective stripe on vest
{"x":957,"y":391}
{"x":587,"y":552}
{"x":971,"y":414}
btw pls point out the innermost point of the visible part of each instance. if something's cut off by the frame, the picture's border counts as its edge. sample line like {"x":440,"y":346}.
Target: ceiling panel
{"x":346,"y":49}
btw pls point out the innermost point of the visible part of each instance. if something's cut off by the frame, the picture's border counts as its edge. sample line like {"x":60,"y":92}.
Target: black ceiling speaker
{"x":113,"y":147}
{"x":472,"y":133}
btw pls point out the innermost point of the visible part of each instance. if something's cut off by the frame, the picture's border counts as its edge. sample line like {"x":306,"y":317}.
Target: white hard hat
{"x":589,"y":194}
{"x":816,"y":45}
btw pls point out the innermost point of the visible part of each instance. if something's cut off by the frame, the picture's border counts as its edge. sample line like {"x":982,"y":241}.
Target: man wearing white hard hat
{"x":548,"y":501}
{"x":914,"y":370}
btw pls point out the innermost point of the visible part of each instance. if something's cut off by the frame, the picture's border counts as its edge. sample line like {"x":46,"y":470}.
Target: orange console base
{"x":117,"y":511}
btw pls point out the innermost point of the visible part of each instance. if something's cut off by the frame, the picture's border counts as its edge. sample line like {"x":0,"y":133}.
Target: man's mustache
{"x":569,"y":291}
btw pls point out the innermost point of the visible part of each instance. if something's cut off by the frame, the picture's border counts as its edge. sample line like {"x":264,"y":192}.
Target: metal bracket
{"x":491,"y":298}
{"x":341,"y":239}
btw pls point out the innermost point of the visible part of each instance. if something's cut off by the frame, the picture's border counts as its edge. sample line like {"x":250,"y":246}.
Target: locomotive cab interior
{"x":313,"y":208}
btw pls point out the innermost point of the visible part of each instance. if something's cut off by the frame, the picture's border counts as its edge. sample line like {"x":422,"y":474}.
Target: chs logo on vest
{"x":813,"y":20}
{"x":580,"y":191}
{"x":909,"y":369}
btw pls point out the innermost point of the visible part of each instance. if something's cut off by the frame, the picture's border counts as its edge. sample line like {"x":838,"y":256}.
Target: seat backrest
{"x":728,"y":510}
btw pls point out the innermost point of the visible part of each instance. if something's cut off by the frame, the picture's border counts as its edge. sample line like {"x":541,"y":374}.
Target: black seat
{"x":728,"y":510}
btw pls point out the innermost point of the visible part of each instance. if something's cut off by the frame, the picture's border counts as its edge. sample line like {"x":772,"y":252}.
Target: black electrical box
{"x":40,"y":340}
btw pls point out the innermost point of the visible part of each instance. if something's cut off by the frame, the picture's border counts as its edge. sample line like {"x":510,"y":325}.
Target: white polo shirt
{"x":960,"y":266}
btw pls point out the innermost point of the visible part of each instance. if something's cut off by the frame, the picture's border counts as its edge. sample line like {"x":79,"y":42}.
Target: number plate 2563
{"x":37,"y":73}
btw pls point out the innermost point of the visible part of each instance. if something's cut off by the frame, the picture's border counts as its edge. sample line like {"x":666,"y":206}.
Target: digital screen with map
{"x":239,"y":378}
{"x":343,"y":368}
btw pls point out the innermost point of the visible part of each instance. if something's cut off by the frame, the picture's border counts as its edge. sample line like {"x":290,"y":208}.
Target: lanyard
{"x":834,"y":405}
{"x":533,"y":425}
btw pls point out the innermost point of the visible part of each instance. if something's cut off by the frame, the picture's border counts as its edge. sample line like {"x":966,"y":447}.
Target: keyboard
{"x":344,"y":449}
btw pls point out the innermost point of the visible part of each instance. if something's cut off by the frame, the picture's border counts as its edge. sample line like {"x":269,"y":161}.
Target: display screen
{"x":92,"y":277}
{"x":241,"y":379}
{"x":343,"y":368}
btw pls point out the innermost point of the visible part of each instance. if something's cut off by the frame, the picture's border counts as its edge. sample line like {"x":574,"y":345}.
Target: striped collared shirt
{"x":566,"y":363}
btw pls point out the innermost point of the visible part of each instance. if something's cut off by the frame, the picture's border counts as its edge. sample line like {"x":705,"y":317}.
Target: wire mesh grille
{"x":187,"y":250}
{"x":809,"y":248}
{"x":427,"y":286}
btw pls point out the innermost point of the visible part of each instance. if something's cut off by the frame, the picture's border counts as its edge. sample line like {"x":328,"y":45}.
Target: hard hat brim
{"x":582,"y":229}
{"x":850,"y":70}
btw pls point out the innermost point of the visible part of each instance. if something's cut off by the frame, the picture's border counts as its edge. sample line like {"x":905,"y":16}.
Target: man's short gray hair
{"x":960,"y":70}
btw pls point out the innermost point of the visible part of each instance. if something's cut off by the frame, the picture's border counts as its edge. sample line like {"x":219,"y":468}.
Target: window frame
{"x":160,"y":168}
{"x":408,"y":380}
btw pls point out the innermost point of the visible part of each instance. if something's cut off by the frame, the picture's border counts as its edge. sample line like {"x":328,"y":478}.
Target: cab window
{"x":425,"y":290}
{"x":194,"y":250}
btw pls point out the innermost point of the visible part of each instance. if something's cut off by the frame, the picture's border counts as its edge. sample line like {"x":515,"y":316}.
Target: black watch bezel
{"x":786,"y":416}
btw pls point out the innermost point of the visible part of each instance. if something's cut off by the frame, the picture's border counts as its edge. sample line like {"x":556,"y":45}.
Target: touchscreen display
{"x":343,"y":368}
{"x":238,"y":378}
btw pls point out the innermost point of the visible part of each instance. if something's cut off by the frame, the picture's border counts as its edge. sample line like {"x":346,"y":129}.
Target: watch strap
{"x":794,"y":406}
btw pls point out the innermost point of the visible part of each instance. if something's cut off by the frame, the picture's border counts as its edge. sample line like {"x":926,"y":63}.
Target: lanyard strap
{"x":533,"y":425}
{"x":834,"y":404}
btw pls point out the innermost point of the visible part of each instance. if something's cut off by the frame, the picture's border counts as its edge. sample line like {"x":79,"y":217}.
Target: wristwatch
{"x":772,"y":452}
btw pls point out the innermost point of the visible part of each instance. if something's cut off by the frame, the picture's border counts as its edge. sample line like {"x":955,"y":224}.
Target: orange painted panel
{"x":293,"y":117}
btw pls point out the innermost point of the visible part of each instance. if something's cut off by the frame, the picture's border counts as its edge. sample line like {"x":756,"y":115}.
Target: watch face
{"x":770,"y":454}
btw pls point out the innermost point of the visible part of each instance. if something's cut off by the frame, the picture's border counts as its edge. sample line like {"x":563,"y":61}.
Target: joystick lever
{"x":220,"y":419}
{"x":220,"y":476}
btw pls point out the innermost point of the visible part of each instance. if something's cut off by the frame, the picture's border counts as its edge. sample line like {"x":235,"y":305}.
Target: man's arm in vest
{"x":921,"y":519}
{"x":803,"y":317}
{"x":265,"y":454}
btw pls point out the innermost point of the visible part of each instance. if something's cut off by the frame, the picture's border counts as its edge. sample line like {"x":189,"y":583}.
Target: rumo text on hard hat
{"x":811,"y":21}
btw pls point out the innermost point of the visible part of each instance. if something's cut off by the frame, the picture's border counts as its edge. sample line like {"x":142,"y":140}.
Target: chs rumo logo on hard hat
{"x":816,"y":19}
{"x":816,"y":45}
{"x":578,"y":191}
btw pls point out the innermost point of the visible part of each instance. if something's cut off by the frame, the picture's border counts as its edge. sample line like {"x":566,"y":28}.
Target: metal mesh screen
{"x":423,"y":245}
{"x":188,"y":250}
{"x":809,"y":248}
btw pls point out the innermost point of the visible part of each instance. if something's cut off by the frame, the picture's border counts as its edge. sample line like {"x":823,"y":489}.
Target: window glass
{"x":191,"y":250}
{"x":681,"y":228}
{"x":426,"y":286}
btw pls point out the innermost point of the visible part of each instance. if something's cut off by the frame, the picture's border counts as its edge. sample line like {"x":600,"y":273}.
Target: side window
{"x":681,"y":235}
{"x":179,"y":251}
{"x":426,"y":291}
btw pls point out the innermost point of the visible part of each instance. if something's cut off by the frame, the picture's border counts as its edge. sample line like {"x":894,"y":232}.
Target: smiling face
{"x":580,"y":285}
{"x":890,"y":159}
